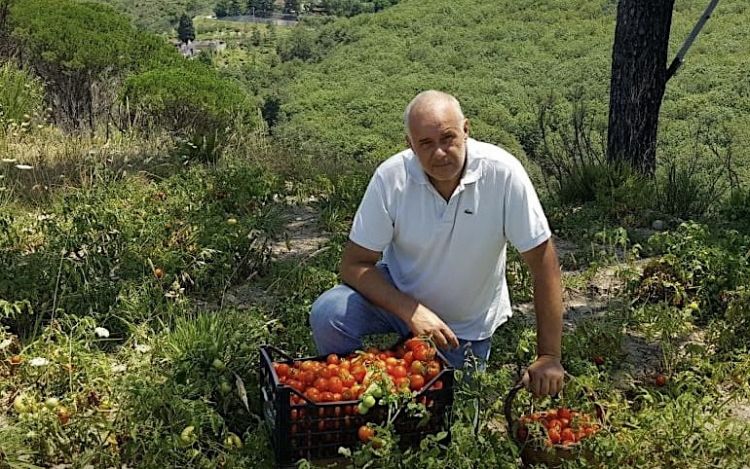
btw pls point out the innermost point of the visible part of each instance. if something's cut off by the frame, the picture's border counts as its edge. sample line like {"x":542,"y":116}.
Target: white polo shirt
{"x":450,"y":256}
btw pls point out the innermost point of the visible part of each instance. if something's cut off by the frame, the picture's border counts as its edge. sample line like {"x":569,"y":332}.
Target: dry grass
{"x":36,"y":163}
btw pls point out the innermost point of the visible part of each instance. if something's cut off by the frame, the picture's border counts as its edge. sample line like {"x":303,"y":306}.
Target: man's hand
{"x":544,"y":376}
{"x":424,"y":322}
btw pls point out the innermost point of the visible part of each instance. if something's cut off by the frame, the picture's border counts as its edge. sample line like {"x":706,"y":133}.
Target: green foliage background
{"x":502,"y":59}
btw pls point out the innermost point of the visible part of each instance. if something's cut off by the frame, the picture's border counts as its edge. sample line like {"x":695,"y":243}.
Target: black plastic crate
{"x":316,"y":430}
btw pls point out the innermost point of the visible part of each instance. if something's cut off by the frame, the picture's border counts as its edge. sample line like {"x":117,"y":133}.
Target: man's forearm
{"x":548,"y":306}
{"x":545,"y":269}
{"x":369,"y":281}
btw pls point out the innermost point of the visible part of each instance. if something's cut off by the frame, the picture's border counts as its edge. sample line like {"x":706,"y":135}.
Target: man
{"x":440,"y":214}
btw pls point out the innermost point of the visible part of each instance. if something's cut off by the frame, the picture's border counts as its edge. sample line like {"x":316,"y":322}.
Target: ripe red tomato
{"x":399,"y":372}
{"x":554,"y":423}
{"x":282,"y":369}
{"x":333,"y":359}
{"x":432,"y":371}
{"x":365,"y":433}
{"x":333,"y":370}
{"x":359,"y":373}
{"x":313,"y":394}
{"x":307,"y":377}
{"x":347,"y":379}
{"x":402,"y":382}
{"x":416,"y":382}
{"x":335,"y":385}
{"x":321,"y":384}
{"x":599,"y":360}
{"x":567,"y":436}
{"x":408,"y":357}
{"x":564,"y":413}
{"x":414,"y":342}
{"x":296,"y":385}
{"x":422,"y":353}
{"x":660,"y":380}
{"x":554,"y":435}
{"x":437,"y":385}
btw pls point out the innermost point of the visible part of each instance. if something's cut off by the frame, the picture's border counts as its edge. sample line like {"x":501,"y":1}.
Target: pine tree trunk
{"x":639,"y":76}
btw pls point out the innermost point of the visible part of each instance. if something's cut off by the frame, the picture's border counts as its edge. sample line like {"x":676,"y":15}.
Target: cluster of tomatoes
{"x":362,"y":376}
{"x":562,"y":426}
{"x":407,"y":367}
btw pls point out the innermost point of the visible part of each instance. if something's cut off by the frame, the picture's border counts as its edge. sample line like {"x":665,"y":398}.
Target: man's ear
{"x":467,"y":127}
{"x":408,"y":141}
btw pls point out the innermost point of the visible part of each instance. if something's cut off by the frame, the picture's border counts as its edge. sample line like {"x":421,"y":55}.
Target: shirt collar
{"x":472,"y":172}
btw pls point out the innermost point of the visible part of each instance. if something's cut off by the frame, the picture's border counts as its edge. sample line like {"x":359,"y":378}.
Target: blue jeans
{"x":341,"y":317}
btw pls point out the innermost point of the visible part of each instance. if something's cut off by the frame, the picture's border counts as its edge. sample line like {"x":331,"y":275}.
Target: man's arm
{"x":545,"y":375}
{"x":358,"y":270}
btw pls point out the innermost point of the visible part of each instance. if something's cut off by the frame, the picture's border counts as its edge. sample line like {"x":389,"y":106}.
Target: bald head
{"x":431,"y":101}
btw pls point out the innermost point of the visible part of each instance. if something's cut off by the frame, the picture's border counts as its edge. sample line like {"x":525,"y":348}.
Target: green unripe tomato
{"x":225,"y":387}
{"x":376,"y":391}
{"x":51,"y":403}
{"x":218,"y":365}
{"x":20,"y":404}
{"x":187,"y":436}
{"x":233,"y":441}
{"x":363,"y":409}
{"x":368,"y":401}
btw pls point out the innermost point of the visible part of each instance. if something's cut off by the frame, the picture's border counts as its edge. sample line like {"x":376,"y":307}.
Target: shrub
{"x":191,"y":101}
{"x":730,"y":333}
{"x":696,"y":266}
{"x":21,"y":96}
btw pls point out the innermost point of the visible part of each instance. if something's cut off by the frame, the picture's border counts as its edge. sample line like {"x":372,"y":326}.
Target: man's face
{"x":438,"y":136}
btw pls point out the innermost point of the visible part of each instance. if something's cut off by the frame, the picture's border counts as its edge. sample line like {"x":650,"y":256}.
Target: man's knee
{"x":330,"y":305}
{"x":327,"y":321}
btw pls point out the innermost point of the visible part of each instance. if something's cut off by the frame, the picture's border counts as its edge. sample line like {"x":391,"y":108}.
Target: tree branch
{"x":680,"y":58}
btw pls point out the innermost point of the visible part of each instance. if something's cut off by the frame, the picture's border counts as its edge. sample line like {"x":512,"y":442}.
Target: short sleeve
{"x":373,"y":226}
{"x":526,"y":226}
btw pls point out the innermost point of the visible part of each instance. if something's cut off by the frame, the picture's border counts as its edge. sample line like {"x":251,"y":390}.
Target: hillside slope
{"x":502,"y":59}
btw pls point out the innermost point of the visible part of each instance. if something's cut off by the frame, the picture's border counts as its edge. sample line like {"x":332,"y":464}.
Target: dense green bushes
{"x":503,"y":60}
{"x":97,"y":251}
{"x":192,"y":102}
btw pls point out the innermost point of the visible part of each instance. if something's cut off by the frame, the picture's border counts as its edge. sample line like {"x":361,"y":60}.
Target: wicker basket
{"x":533,"y":453}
